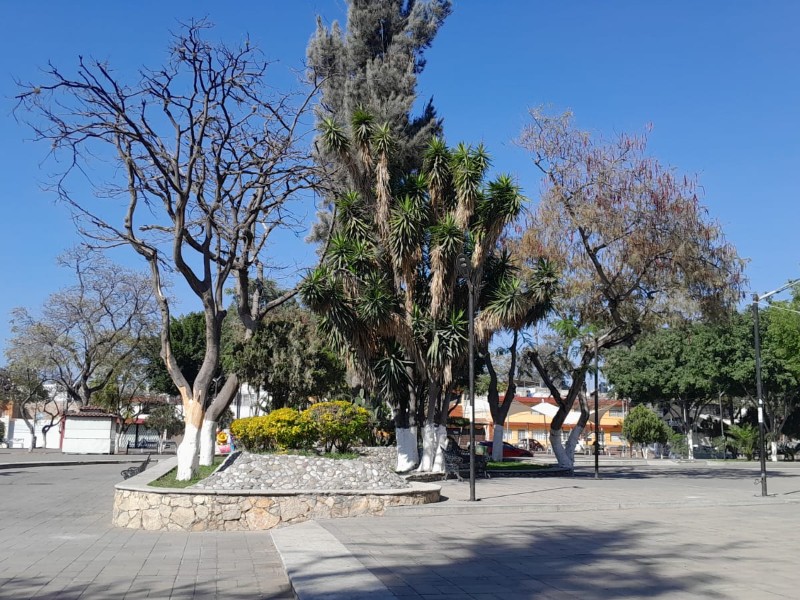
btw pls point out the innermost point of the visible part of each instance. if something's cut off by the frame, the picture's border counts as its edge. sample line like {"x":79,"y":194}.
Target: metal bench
{"x":456,"y":462}
{"x":131,"y":471}
{"x":141,"y":446}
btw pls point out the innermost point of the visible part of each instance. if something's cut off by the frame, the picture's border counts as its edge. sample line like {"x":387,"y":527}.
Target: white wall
{"x":88,"y":436}
{"x":19,"y":436}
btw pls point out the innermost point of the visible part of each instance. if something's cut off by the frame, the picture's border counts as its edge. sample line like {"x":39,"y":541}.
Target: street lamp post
{"x":762,"y":450}
{"x":596,"y":412}
{"x":464,"y":270}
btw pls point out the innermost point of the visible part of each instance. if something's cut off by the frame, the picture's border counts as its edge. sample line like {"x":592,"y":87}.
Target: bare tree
{"x":88,"y":332}
{"x":24,"y":388}
{"x":634,"y":247}
{"x":207,"y":156}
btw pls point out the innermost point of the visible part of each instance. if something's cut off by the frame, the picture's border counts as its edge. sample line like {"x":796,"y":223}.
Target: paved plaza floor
{"x":58,"y":544}
{"x":661,"y":530}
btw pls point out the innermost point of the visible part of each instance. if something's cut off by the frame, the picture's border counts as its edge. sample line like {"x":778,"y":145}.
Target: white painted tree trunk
{"x":432,"y":440}
{"x":572,"y":443}
{"x":565,"y":460}
{"x":187,"y":453}
{"x":441,"y":441}
{"x":497,"y":443}
{"x":208,"y":438}
{"x":690,"y":443}
{"x":774,"y":447}
{"x":407,"y":452}
{"x":645,"y":454}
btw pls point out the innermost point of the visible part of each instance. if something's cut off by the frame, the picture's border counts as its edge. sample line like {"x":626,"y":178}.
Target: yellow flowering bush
{"x":281,"y":429}
{"x":339,"y":423}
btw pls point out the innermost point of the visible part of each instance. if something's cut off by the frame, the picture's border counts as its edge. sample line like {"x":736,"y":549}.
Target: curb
{"x":319,"y":566}
{"x":68,"y":463}
{"x":464,"y":507}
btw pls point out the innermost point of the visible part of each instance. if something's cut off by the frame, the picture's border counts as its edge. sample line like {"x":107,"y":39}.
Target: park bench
{"x":131,"y":471}
{"x":456,"y":462}
{"x":141,"y":445}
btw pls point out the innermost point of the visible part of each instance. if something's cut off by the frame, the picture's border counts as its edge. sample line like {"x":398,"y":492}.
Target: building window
{"x":616,"y":413}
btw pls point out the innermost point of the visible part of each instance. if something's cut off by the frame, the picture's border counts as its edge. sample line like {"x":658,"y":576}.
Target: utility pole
{"x":762,"y":450}
{"x":464,"y":269}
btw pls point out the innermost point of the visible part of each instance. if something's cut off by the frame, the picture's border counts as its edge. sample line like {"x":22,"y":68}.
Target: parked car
{"x":509,"y":451}
{"x":532,"y":445}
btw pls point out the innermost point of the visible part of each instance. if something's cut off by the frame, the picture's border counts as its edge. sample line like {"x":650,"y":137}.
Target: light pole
{"x":762,"y":450}
{"x":596,"y":411}
{"x":464,"y":270}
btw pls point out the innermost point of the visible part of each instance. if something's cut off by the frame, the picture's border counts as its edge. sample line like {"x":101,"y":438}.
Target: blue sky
{"x":718,"y":80}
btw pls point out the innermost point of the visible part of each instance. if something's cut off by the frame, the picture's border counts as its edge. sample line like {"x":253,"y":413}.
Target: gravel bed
{"x":372,"y":471}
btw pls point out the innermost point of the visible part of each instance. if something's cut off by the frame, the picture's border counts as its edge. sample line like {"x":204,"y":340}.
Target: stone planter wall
{"x":138,"y":506}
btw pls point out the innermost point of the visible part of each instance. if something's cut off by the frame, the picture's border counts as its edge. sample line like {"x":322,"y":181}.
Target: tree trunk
{"x":774,"y":447}
{"x":497,"y":443}
{"x":572,"y":443}
{"x":120,"y":433}
{"x":407,"y":452}
{"x":430,"y":441}
{"x":564,"y":460}
{"x":689,"y":436}
{"x":208,"y":432}
{"x":208,"y":435}
{"x":441,"y":442}
{"x":187,"y":451}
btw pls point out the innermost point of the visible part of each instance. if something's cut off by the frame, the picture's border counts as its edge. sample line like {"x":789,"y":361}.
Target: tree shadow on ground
{"x":698,"y":472}
{"x":44,"y":588}
{"x":539,"y":560}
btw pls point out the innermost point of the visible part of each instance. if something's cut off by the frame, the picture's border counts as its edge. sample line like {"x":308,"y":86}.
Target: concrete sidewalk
{"x":22,"y":458}
{"x":642,"y":531}
{"x":638,"y":532}
{"x":59,"y":544}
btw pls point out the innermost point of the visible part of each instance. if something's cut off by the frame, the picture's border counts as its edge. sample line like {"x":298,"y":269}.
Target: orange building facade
{"x":529,"y":418}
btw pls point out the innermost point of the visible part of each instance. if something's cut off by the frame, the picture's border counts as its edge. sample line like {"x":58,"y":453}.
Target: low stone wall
{"x":138,"y":506}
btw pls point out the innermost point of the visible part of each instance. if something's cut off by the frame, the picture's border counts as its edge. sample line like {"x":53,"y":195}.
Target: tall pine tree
{"x":373,"y":67}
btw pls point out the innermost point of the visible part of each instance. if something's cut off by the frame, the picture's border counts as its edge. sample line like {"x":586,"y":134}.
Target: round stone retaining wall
{"x":139,"y":506}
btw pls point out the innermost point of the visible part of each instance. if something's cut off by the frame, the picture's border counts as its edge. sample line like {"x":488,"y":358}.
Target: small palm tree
{"x":745,"y":439}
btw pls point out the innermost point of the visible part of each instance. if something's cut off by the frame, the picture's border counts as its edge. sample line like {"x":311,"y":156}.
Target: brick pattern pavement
{"x":58,"y":543}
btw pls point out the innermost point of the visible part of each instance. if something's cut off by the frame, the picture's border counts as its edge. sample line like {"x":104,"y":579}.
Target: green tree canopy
{"x":289,"y":359}
{"x":643,"y":426}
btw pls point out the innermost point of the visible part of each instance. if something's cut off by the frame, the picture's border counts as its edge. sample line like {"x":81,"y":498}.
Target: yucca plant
{"x":397,"y":308}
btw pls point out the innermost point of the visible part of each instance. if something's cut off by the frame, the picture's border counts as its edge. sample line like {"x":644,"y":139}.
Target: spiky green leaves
{"x":382,"y":139}
{"x":391,"y":371}
{"x":362,"y":124}
{"x":352,"y":216}
{"x":449,"y":339}
{"x":406,"y":227}
{"x":468,"y":166}
{"x":333,"y":136}
{"x":500,"y":205}
{"x":447,"y":237}
{"x":376,"y":301}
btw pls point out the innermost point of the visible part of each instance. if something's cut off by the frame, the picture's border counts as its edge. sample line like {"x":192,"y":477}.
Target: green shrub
{"x":282,"y":429}
{"x":2,"y":431}
{"x":251,"y":434}
{"x":339,"y":424}
{"x":289,"y":429}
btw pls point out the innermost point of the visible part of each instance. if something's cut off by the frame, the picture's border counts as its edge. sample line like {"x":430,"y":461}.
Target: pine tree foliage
{"x":371,"y":70}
